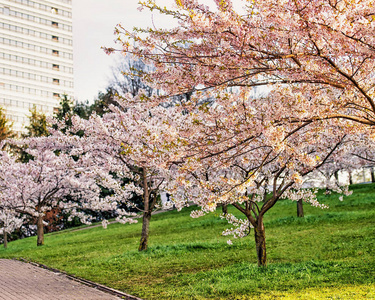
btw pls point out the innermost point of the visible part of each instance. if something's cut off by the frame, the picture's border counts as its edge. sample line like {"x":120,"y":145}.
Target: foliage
{"x":83,"y":109}
{"x":65,"y":110}
{"x":37,"y":127}
{"x":104,"y":100}
{"x":62,"y":119}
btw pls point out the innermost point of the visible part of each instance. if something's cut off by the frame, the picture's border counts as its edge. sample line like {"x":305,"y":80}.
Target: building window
{"x":55,"y":24}
{"x":56,"y":95}
{"x":56,"y":67}
{"x":55,"y":52}
{"x":56,"y":81}
{"x":55,"y":38}
{"x":54,"y":10}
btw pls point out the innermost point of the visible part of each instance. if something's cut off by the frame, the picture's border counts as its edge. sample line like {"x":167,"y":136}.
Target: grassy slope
{"x":327,"y":255}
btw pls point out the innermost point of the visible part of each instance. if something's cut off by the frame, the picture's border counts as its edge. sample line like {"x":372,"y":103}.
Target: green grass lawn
{"x":329,"y":254}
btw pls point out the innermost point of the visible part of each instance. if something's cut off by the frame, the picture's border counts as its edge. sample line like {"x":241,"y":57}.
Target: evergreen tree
{"x":64,"y":113}
{"x":101,"y":104}
{"x":37,"y":127}
{"x":37,"y":124}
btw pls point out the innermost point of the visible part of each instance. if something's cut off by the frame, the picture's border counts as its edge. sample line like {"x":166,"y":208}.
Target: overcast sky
{"x":93,"y":26}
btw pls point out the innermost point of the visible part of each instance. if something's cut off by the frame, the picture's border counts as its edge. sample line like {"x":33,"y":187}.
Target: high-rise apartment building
{"x":36,"y":56}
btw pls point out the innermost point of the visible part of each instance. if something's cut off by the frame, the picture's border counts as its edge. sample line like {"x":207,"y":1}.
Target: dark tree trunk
{"x":336,"y":174}
{"x":260,"y":242}
{"x":300,"y":209}
{"x":146,"y":215}
{"x":372,"y":175}
{"x":350,"y":178}
{"x":40,"y":231}
{"x":224,"y":209}
{"x":5,"y":239}
{"x":145,"y":230}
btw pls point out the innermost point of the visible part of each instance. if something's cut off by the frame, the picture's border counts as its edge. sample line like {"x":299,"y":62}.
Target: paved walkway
{"x":19,"y":280}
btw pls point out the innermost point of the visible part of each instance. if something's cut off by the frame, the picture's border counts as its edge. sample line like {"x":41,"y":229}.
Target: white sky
{"x":93,"y":26}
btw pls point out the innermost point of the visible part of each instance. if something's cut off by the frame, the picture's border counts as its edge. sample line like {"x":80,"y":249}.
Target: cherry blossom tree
{"x":8,"y":217}
{"x":314,"y":58}
{"x":242,"y":153}
{"x":321,"y":50}
{"x":133,"y":142}
{"x":33,"y":188}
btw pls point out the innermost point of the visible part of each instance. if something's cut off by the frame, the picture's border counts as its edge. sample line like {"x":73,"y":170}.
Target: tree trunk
{"x":147,"y":213}
{"x":224,"y":209}
{"x":145,"y":231}
{"x":40,"y":231}
{"x":5,"y":239}
{"x":372,"y":175}
{"x":336,"y":174}
{"x":300,"y":209}
{"x":350,"y":178}
{"x":260,"y":242}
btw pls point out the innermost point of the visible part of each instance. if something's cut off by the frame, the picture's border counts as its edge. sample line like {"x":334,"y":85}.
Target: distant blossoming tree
{"x":33,"y":188}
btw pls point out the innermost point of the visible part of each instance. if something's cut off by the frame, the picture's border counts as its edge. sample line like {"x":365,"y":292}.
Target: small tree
{"x":39,"y":185}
